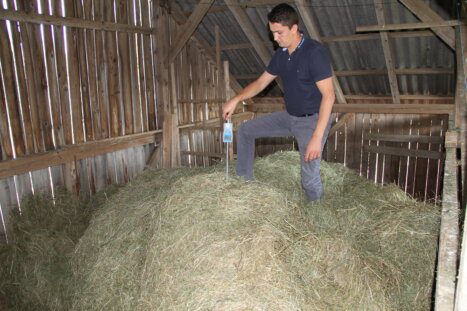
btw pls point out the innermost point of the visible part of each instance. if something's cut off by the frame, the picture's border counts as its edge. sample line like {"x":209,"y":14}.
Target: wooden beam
{"x":389,"y":27}
{"x":403,"y":97}
{"x":342,"y":120}
{"x":185,"y":32}
{"x":71,"y":153}
{"x":373,"y":72}
{"x":215,"y":122}
{"x":461,"y":287}
{"x":280,"y":100}
{"x":155,"y":157}
{"x":175,"y":143}
{"x":162,"y":79}
{"x":180,"y":18}
{"x":449,"y":233}
{"x":204,"y":154}
{"x":387,"y":54}
{"x":406,"y":138}
{"x":346,"y":38}
{"x":259,"y":3}
{"x":460,"y":81}
{"x":427,"y":15}
{"x":250,"y":30}
{"x":43,"y":19}
{"x":314,"y":33}
{"x":403,"y":152}
{"x":395,"y":108}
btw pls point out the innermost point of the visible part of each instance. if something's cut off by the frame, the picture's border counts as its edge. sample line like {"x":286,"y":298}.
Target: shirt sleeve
{"x":273,"y":67}
{"x":320,"y":64}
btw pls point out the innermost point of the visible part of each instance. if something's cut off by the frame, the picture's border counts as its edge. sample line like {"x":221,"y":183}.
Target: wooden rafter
{"x":185,"y":32}
{"x":313,"y":31}
{"x":408,"y":26}
{"x":387,"y":54}
{"x":180,"y":18}
{"x":346,"y":38}
{"x":427,"y":15}
{"x":375,"y":72}
{"x":249,"y":29}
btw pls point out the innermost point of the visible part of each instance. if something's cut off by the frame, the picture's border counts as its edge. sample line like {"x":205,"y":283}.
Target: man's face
{"x":283,"y":35}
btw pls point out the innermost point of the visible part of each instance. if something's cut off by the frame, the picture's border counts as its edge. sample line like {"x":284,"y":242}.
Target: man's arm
{"x":326,"y":88}
{"x":249,"y":91}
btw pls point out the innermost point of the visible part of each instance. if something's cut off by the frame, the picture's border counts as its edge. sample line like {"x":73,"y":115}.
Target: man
{"x":304,"y":66}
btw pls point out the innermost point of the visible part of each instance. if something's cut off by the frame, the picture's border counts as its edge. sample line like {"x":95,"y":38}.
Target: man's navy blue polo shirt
{"x":300,"y":71}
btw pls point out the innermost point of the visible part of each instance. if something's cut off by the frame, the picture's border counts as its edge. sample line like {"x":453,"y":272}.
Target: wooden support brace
{"x":344,"y":119}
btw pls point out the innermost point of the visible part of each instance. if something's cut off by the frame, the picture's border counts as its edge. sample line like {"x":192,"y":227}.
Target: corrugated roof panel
{"x":339,"y":18}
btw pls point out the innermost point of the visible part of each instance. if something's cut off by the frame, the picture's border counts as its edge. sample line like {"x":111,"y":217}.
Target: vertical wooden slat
{"x":71,"y":45}
{"x":87,"y":88}
{"x":134,"y":63}
{"x":142,"y":67}
{"x":93,"y":73}
{"x":62,"y":74}
{"x":163,"y":80}
{"x":102,"y":72}
{"x":112,"y":62}
{"x":10,"y":103}
{"x":6,"y":144}
{"x":21,"y":88}
{"x":37,"y":81}
{"x":53,"y":91}
{"x":175,"y":152}
{"x":31,"y":120}
{"x":125,"y":72}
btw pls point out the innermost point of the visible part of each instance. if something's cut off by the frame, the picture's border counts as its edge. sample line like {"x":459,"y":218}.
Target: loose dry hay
{"x":217,"y":245}
{"x":188,"y":240}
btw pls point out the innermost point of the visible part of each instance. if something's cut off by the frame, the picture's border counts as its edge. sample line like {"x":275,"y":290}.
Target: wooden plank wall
{"x":200,"y":93}
{"x":410,"y":168}
{"x":417,"y":175}
{"x":63,"y":85}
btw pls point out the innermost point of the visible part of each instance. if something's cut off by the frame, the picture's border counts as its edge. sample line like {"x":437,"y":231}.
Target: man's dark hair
{"x":283,"y":14}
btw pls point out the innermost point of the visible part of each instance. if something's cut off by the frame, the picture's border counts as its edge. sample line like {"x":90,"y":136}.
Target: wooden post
{"x":162,"y":79}
{"x":449,"y":231}
{"x":175,"y":152}
{"x":461,"y":293}
{"x":220,"y":90}
{"x":387,"y":54}
{"x":227,"y":96}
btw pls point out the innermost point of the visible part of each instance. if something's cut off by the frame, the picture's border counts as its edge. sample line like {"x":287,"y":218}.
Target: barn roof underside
{"x":423,"y":63}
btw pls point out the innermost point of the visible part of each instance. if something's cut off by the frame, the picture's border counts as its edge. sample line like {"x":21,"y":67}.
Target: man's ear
{"x":294,"y":28}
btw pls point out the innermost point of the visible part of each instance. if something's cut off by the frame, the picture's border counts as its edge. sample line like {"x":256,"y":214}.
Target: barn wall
{"x":404,"y":149}
{"x":65,"y":87}
{"x":386,"y":148}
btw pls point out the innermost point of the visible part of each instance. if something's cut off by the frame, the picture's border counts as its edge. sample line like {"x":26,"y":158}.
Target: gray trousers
{"x":280,"y":124}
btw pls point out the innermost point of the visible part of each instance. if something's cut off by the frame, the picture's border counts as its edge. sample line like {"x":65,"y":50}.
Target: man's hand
{"x":229,"y":108}
{"x":313,"y":149}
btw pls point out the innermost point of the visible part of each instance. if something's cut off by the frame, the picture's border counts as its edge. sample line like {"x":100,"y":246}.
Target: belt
{"x":306,"y":115}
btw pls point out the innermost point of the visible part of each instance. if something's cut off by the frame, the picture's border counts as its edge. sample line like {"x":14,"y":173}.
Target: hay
{"x":108,"y":260}
{"x":35,"y":272}
{"x":188,"y":240}
{"x":207,"y":244}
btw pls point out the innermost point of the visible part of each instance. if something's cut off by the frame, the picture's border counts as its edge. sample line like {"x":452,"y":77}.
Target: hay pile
{"x":35,"y":271}
{"x":188,"y":240}
{"x":206,"y":244}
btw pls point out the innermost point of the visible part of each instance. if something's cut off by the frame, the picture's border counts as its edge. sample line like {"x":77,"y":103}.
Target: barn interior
{"x":95,"y":94}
